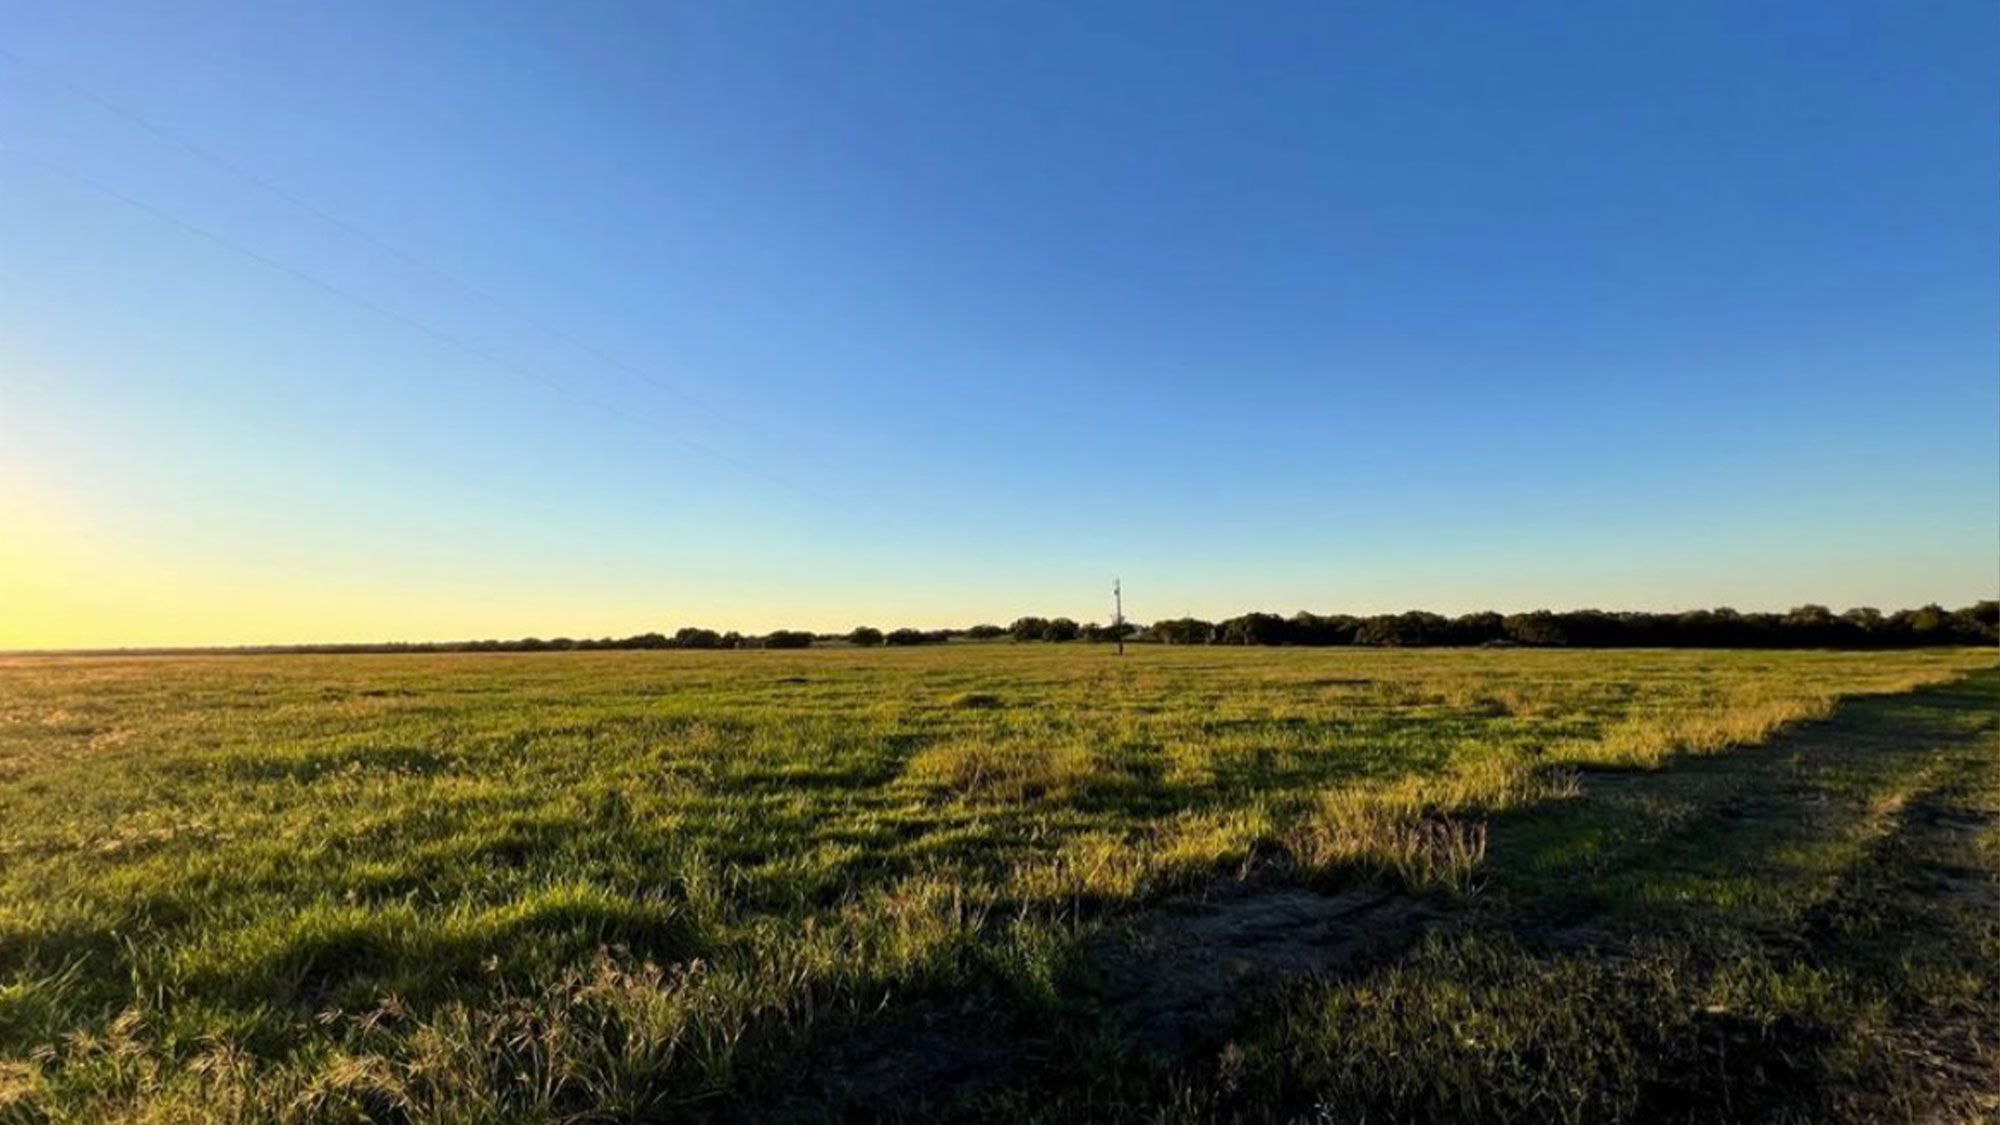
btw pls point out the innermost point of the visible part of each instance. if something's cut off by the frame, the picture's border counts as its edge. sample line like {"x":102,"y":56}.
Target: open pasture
{"x":850,"y":884}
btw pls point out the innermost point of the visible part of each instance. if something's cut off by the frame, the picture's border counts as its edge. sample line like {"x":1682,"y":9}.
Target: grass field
{"x":1002,"y":882}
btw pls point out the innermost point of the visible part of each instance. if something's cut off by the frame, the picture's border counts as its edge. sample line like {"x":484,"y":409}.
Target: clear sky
{"x":818,"y":314}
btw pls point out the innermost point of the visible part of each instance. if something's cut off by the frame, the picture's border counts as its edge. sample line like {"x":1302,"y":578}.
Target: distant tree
{"x":1305,"y":628}
{"x":734,"y":639}
{"x":1029,"y":628}
{"x":1184,"y":631}
{"x":1478,"y":629}
{"x":1093,"y":633}
{"x":1863,"y":617}
{"x":1593,"y":628}
{"x":697,"y":638}
{"x":1413,"y":628}
{"x":1378,"y":629}
{"x":1422,"y":627}
{"x":985,"y":632}
{"x":1813,"y":625}
{"x":1647,"y":629}
{"x":1537,"y":628}
{"x":865,"y":636}
{"x":1930,"y":624}
{"x":1316,"y":629}
{"x":788,"y":638}
{"x":1061,"y":629}
{"x":904,"y":637}
{"x":1978,"y":624}
{"x":1252,"y":629}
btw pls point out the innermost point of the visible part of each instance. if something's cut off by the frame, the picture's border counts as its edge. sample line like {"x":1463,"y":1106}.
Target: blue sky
{"x":929,"y":314}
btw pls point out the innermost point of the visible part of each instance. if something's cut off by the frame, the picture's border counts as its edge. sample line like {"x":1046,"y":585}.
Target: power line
{"x":439,"y":335}
{"x":267,"y":185}
{"x":1118,"y":613}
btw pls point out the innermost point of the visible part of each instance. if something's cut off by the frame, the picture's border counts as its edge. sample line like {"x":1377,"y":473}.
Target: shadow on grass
{"x":1640,"y":844}
{"x":1801,"y":930}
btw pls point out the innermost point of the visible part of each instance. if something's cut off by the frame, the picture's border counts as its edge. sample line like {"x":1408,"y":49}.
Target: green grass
{"x":735,"y":885}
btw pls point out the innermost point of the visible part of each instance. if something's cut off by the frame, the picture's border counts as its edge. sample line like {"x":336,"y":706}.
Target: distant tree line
{"x":1808,"y":626}
{"x":1060,"y":629}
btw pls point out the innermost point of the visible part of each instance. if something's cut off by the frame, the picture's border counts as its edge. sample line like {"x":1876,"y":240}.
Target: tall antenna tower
{"x":1118,"y":614}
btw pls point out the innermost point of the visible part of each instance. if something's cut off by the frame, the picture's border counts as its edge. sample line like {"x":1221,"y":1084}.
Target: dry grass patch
{"x":1005,"y":770}
{"x":1647,"y":741}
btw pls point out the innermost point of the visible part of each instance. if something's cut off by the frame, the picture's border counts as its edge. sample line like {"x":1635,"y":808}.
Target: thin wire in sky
{"x":278,"y":191}
{"x":61,"y":172}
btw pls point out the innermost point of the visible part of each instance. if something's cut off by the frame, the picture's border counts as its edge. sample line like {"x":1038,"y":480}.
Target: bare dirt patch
{"x":1180,"y":973}
{"x":897,"y":1071}
{"x":1169,"y":979}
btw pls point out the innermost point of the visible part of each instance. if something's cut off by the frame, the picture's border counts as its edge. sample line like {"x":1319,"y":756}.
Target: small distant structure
{"x":1118,"y":614}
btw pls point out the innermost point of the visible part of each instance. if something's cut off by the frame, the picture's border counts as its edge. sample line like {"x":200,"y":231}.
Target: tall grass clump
{"x":1378,"y":836}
